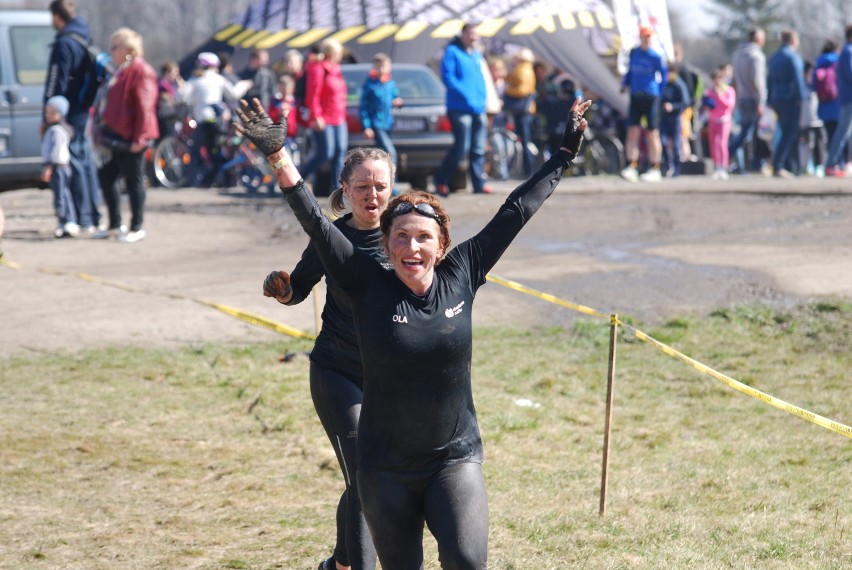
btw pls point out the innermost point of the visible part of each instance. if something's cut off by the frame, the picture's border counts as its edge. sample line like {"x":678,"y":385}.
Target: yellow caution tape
{"x":748,"y":390}
{"x":545,"y":296}
{"x":245,"y":316}
{"x":736,"y":385}
{"x":257,"y":320}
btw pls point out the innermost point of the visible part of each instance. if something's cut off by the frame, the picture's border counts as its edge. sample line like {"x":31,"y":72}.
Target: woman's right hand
{"x":277,"y":285}
{"x":256,"y":126}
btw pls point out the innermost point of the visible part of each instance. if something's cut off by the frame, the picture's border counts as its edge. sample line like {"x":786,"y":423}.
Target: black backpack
{"x":99,"y":68}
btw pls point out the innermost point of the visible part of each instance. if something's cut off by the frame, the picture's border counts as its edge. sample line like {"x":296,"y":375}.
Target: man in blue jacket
{"x":461,"y":72}
{"x":786,"y":91}
{"x":645,"y":78}
{"x":65,"y":76}
{"x":836,"y":163}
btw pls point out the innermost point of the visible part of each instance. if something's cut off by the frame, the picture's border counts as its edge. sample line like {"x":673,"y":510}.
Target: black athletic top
{"x":336,"y":346}
{"x":418,"y":412}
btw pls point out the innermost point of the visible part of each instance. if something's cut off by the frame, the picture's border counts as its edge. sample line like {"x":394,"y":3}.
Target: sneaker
{"x":651,"y":175}
{"x":833,"y":171}
{"x":110,"y":233}
{"x":781,"y":173}
{"x":442,"y":190}
{"x":132,"y":237}
{"x":89,"y":231}
{"x":59,"y":232}
{"x":630,"y":174}
{"x":485,"y":190}
{"x":72,"y":229}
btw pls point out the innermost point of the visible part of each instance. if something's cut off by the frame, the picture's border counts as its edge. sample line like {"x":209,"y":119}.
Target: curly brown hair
{"x":418,"y":197}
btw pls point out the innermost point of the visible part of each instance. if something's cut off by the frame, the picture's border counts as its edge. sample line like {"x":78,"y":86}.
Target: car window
{"x":413,"y":83}
{"x":31,"y":51}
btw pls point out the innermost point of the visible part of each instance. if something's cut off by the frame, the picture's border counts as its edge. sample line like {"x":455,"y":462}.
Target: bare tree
{"x":170,"y":28}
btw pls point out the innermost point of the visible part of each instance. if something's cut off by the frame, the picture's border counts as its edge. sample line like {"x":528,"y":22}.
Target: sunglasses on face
{"x":421,"y":208}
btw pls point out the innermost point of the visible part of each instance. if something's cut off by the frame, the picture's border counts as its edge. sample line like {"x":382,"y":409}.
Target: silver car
{"x":25,"y":40}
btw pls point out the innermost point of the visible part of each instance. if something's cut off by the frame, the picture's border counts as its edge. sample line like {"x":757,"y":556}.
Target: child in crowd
{"x":284,"y":105}
{"x":56,"y":158}
{"x":379,"y":95}
{"x":812,"y":136}
{"x":674,"y":100}
{"x":720,"y":99}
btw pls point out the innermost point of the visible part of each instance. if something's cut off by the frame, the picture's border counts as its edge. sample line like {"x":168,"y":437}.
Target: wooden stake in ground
{"x":610,"y":378}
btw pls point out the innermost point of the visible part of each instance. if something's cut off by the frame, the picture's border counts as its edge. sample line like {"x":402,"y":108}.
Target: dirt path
{"x":649,"y":251}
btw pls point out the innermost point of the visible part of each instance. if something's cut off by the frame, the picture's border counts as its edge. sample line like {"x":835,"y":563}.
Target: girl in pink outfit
{"x":720,"y":99}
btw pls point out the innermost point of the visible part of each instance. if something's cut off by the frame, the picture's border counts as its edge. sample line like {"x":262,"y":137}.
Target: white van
{"x":25,"y":41}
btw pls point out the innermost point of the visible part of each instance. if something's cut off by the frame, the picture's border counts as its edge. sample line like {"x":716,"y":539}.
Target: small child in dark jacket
{"x":56,"y":169}
{"x":379,"y":95}
{"x":675,"y":98}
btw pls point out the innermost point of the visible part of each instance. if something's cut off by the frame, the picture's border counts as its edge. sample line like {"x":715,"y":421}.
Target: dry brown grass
{"x":213,"y":458}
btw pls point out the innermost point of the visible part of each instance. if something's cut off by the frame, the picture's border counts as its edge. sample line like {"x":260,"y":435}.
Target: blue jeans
{"x":788,"y":112}
{"x":670,"y":137}
{"x":85,"y":190}
{"x":330,"y":145}
{"x":63,"y":204}
{"x":748,"y":128}
{"x":523,"y":126}
{"x":469,"y":133}
{"x":841,"y":135}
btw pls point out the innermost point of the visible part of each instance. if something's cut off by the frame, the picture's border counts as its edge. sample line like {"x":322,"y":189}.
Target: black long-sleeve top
{"x":418,"y":413}
{"x":336,"y":346}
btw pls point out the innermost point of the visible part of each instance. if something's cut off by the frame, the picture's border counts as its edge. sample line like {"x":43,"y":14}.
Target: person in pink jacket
{"x":720,"y":100}
{"x":325,"y":101}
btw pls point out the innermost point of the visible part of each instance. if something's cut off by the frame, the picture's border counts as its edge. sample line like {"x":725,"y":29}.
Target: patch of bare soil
{"x":647,"y":251}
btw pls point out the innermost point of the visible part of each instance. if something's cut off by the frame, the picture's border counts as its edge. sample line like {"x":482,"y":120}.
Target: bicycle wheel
{"x":604,"y":155}
{"x":171,"y":157}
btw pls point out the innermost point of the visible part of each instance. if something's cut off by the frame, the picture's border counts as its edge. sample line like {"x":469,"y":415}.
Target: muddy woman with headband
{"x":419,"y":457}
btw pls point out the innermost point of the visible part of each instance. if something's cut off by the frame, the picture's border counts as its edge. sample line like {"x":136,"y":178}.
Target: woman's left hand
{"x":572,"y":138}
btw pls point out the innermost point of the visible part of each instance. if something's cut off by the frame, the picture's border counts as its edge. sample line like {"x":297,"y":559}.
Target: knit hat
{"x":59,"y":103}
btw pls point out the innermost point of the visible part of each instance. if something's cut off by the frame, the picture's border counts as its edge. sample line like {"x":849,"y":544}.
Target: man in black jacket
{"x":65,"y":76}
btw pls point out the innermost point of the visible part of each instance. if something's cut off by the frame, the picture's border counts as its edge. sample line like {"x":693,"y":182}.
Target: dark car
{"x":421,"y":132}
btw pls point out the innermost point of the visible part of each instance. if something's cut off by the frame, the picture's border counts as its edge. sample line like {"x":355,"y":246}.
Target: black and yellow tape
{"x":817,"y":419}
{"x":245,"y":316}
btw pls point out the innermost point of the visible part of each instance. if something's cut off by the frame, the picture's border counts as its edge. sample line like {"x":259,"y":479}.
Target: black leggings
{"x":337,"y":400}
{"x":453,"y":504}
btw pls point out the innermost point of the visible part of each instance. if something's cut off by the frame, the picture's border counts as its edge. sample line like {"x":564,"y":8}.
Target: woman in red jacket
{"x":325,"y":101}
{"x":128,"y":124}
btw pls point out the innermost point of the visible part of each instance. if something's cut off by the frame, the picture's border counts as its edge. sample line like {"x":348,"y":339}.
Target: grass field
{"x":212,"y":456}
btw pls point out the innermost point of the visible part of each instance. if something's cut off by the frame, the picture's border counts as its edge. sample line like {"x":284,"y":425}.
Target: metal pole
{"x":317,"y":309}
{"x":610,"y":378}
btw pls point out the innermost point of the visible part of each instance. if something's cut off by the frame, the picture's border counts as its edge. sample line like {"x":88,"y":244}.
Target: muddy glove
{"x":572,"y":138}
{"x":257,"y":127}
{"x":277,"y":285}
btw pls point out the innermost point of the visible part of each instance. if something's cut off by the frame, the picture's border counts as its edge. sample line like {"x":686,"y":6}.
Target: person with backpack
{"x":70,"y":75}
{"x":837,"y":151}
{"x":823,"y":79}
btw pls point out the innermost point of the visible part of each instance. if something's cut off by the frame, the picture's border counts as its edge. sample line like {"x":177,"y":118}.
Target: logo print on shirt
{"x":400,"y":319}
{"x":450,"y":313}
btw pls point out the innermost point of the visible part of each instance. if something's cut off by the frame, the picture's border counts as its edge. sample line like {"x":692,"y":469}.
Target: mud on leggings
{"x":337,"y":400}
{"x":453,"y":504}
